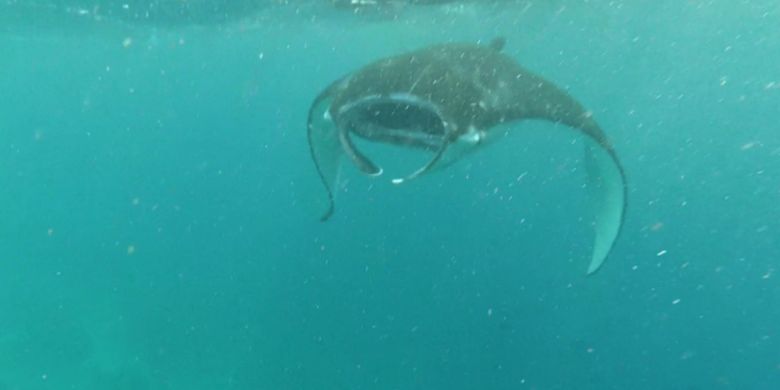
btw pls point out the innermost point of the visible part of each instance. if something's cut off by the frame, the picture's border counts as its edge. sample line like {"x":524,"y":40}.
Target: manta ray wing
{"x":608,"y":193}
{"x":521,"y":94}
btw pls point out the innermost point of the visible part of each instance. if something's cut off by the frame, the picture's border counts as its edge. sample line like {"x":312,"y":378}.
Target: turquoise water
{"x":159,"y":213}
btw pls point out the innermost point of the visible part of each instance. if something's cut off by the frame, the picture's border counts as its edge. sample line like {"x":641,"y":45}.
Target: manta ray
{"x":449,"y":97}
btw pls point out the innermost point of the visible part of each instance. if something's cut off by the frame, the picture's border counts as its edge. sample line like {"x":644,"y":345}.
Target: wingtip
{"x":325,"y":217}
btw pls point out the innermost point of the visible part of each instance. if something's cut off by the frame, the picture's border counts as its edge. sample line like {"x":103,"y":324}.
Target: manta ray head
{"x":397,"y":118}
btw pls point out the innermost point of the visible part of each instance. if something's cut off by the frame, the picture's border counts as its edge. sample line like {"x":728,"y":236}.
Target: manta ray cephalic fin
{"x":425,"y":168}
{"x":324,"y":144}
{"x":361,"y":161}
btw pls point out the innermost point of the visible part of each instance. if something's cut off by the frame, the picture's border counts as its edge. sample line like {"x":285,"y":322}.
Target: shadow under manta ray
{"x":448,"y":95}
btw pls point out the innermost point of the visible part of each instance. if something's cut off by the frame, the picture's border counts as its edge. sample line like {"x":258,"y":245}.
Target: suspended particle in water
{"x":749,"y":145}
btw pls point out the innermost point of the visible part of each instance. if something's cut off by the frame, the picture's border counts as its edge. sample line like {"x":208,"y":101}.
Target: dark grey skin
{"x":436,"y":96}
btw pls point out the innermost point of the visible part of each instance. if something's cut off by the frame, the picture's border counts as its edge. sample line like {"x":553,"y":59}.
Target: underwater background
{"x":159,"y":207}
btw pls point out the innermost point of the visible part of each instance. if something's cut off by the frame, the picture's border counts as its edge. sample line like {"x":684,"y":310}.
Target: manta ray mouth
{"x":400,"y":119}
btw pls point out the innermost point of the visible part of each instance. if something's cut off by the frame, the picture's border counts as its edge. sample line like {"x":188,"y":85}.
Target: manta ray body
{"x":448,"y":94}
